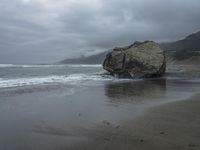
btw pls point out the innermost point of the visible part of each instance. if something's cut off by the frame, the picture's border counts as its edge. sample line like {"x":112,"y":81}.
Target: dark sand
{"x":172,"y":126}
{"x":140,"y":115}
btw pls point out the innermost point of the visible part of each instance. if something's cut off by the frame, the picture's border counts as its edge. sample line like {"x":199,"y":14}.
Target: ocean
{"x":46,"y":107}
{"x":29,"y":75}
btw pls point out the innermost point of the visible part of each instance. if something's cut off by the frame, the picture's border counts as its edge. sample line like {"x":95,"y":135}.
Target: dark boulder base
{"x":139,"y":60}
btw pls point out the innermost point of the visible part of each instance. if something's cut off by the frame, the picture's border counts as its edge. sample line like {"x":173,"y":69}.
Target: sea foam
{"x":47,"y":66}
{"x":71,"y":79}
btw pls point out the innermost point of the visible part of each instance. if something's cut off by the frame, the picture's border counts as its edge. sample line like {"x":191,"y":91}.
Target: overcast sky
{"x":40,"y":31}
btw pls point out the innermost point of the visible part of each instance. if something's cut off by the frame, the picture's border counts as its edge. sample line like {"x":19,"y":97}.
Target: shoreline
{"x":114,"y":116}
{"x":170,"y":126}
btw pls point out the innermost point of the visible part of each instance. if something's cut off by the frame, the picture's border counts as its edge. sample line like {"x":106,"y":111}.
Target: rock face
{"x":139,"y":60}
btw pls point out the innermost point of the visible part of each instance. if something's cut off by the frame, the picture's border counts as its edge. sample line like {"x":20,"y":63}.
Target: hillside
{"x":191,"y":42}
{"x":179,"y":50}
{"x":186,"y":48}
{"x":93,"y":59}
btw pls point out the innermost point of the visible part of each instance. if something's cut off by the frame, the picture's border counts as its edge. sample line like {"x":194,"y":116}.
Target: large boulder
{"x":139,"y":60}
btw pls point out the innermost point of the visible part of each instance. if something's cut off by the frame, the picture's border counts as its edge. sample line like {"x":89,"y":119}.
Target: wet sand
{"x":142,"y":115}
{"x":172,"y":126}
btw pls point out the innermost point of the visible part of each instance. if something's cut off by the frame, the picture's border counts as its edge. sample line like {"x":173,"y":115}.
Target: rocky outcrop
{"x":139,"y":60}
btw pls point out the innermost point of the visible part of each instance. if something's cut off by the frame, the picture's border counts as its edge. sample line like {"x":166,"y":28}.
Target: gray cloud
{"x":39,"y":31}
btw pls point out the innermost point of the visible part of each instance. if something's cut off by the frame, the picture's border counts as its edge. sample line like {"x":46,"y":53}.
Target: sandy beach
{"x":96,"y":112}
{"x":173,"y":126}
{"x":99,"y":75}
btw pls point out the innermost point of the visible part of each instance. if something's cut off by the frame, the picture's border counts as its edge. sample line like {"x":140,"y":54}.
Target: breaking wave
{"x":47,"y":66}
{"x":71,"y":79}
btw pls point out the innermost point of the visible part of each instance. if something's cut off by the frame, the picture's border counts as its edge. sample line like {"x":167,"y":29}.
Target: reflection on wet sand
{"x":142,"y":89}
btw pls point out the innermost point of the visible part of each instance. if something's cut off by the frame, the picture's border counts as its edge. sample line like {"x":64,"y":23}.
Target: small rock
{"x":162,"y":132}
{"x":192,"y":145}
{"x":106,"y":139}
{"x":106,"y":122}
{"x":141,"y":140}
{"x":118,"y":126}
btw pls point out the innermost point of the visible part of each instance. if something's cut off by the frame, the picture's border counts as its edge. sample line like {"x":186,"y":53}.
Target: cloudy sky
{"x":40,"y":31}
